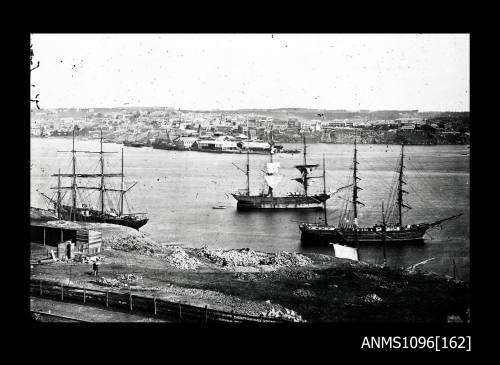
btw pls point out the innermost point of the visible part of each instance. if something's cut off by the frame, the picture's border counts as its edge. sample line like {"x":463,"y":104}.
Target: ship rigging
{"x":348,"y":230}
{"x":84,"y":211}
{"x":269,"y":200}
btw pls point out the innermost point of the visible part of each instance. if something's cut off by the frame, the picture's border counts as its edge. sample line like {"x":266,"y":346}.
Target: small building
{"x":185,"y":142}
{"x":255,"y":145}
{"x":83,"y":241}
{"x":219,"y":144}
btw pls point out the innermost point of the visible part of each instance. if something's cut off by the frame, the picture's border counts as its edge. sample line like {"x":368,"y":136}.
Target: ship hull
{"x":96,"y":217}
{"x":164,"y":147}
{"x":316,"y":234}
{"x":280,"y":202}
{"x":239,"y":151}
{"x":134,"y":144}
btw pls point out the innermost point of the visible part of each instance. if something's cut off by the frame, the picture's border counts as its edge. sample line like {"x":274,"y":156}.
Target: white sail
{"x":273,"y":167}
{"x":345,"y":252}
{"x":273,"y":180}
{"x":311,"y":181}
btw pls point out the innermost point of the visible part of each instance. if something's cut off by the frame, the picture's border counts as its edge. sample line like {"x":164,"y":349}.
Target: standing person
{"x":96,"y":268}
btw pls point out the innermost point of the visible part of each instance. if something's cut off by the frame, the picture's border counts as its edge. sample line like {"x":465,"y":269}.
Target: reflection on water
{"x":178,"y":190}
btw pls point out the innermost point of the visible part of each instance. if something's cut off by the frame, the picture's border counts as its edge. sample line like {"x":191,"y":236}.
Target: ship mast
{"x":59,"y":195}
{"x":383,"y":234}
{"x":271,"y":144}
{"x":305,"y":164}
{"x":400,"y":187}
{"x":355,"y":187}
{"x":324,"y":188}
{"x":270,"y":191}
{"x":102,"y":179}
{"x":248,"y":172}
{"x":305,"y":151}
{"x":355,"y":196}
{"x":122,"y":192}
{"x":73,"y":185}
{"x":304,"y":170}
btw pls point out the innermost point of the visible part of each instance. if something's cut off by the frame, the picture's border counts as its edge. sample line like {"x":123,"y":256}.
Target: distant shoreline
{"x":82,"y":138}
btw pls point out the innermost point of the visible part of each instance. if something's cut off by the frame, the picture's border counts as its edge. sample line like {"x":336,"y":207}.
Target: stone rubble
{"x":372,"y":299}
{"x":286,"y":314}
{"x":138,"y":243}
{"x":249,"y":257}
{"x":129,"y":277}
{"x":89,"y":259}
{"x":109,"y":282}
{"x":300,"y":292}
{"x":181,"y":260}
{"x":122,"y":280}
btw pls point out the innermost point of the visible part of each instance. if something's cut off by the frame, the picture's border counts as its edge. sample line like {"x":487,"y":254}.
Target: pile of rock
{"x":249,"y":257}
{"x":139,"y":243}
{"x":129,"y":277}
{"x":236,"y":257}
{"x":120,"y":281}
{"x":181,"y":260}
{"x":372,"y":298}
{"x":302,"y":275}
{"x":288,"y":259}
{"x":287,"y":314}
{"x":109,"y":282}
{"x":89,"y":259}
{"x":300,"y":292}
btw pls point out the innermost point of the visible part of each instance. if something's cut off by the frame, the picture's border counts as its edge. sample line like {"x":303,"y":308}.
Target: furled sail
{"x":273,"y":167}
{"x":304,"y":169}
{"x":309,"y":179}
{"x":273,"y":180}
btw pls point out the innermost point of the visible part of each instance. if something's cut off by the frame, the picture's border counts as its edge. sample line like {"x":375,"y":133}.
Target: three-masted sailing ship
{"x":348,"y":230}
{"x":82,"y":211}
{"x":134,"y":143}
{"x":267,"y":200}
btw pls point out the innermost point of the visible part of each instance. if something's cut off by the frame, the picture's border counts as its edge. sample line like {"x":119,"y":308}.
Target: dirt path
{"x":85,"y":312}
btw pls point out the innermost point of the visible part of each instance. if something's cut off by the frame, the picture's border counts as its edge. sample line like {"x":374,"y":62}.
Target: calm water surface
{"x":178,"y":189}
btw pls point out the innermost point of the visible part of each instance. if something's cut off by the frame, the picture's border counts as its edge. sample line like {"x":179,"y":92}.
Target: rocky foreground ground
{"x":298,"y":287}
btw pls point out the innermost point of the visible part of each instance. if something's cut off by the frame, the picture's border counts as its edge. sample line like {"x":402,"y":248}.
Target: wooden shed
{"x":84,"y":240}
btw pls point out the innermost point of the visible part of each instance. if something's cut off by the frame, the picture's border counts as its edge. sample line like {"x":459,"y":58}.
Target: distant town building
{"x":185,"y":142}
{"x":217,"y":144}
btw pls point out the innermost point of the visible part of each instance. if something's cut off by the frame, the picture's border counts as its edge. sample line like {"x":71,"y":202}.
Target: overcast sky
{"x":427,"y":72}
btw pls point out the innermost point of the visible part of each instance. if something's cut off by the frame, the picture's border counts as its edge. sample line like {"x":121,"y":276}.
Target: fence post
{"x":232,"y":315}
{"x":206,"y":314}
{"x":107,"y":299}
{"x":40,"y":287}
{"x":84,"y":295}
{"x":180,"y":312}
{"x":62,"y":292}
{"x":130,"y":301}
{"x":154,"y":301}
{"x":261,"y":318}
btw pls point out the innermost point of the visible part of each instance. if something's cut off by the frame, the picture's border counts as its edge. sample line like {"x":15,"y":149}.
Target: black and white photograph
{"x":267,"y":178}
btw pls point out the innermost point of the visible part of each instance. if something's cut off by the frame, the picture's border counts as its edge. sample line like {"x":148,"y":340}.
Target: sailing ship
{"x":163,"y":143}
{"x":348,"y":230}
{"x":82,"y":211}
{"x":134,"y":143}
{"x":267,"y":200}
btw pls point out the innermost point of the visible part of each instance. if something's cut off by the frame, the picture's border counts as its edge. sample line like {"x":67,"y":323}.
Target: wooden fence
{"x":138,"y":304}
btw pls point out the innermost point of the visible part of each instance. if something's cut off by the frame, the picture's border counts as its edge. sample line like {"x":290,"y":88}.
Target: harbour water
{"x":179,"y":188}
